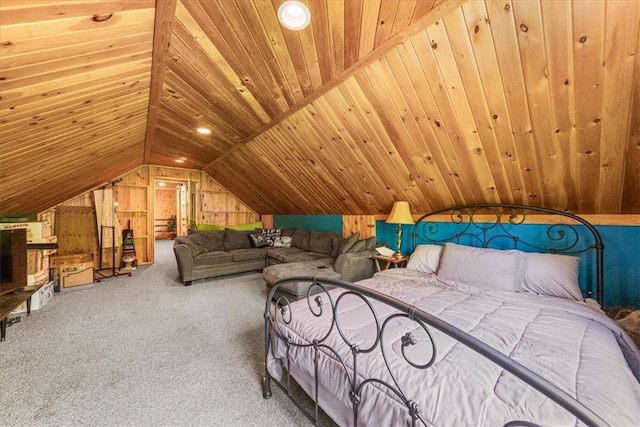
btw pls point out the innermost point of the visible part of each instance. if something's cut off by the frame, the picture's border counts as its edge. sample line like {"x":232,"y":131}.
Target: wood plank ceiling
{"x":431,"y":101}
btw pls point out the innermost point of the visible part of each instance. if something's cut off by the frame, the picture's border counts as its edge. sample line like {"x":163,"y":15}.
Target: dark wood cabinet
{"x":13,"y":260}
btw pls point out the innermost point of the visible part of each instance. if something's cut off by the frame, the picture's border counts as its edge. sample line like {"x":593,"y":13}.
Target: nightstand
{"x":385,"y":262}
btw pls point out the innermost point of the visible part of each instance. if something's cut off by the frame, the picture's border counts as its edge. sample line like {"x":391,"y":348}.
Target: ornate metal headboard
{"x":506,"y":226}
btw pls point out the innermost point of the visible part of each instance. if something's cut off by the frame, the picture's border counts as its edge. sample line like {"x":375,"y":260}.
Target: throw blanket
{"x":571,"y":344}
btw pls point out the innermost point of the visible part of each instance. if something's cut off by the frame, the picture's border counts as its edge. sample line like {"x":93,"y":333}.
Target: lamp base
{"x":398,"y":254}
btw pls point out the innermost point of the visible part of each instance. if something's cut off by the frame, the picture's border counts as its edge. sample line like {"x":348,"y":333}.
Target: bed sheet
{"x":571,"y":344}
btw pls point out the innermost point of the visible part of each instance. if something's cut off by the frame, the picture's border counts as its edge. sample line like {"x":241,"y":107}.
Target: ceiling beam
{"x":441,"y":9}
{"x":165,"y":13}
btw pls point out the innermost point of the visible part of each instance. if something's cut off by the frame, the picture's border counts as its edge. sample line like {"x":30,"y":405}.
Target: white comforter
{"x":571,"y":344}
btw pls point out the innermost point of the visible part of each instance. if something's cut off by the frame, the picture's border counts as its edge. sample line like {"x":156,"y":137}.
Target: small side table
{"x":385,"y":262}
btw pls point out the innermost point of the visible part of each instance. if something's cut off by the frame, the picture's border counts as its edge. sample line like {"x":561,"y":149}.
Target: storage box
{"x":60,"y":260}
{"x":35,"y":230}
{"x":48,"y":239}
{"x":41,"y":276}
{"x":42,"y":296}
{"x":73,"y":270}
{"x":75,"y":275}
{"x":22,"y":308}
{"x":37,"y":261}
{"x":38,"y":299}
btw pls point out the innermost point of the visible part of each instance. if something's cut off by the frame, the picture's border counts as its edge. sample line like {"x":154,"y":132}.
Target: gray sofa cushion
{"x":303,"y":256}
{"x":348,"y":243}
{"x":247,"y":254}
{"x":358,"y":246}
{"x":212,"y":258}
{"x":275,"y":273}
{"x":212,"y":240}
{"x":195,"y":247}
{"x":354,"y":266}
{"x":300,"y":239}
{"x":370,"y":243}
{"x":321,"y":242}
{"x":335,"y":246}
{"x":280,"y":253}
{"x":287,"y":232}
{"x":236,"y":239}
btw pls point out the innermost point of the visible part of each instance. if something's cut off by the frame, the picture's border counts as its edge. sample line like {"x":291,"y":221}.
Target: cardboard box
{"x":37,"y":261}
{"x":42,"y":296}
{"x":41,"y":276}
{"x":60,"y":260}
{"x":73,"y":270}
{"x":38,"y":299}
{"x":75,"y":275}
{"x":48,"y":239}
{"x":22,"y":308}
{"x":35,"y":230}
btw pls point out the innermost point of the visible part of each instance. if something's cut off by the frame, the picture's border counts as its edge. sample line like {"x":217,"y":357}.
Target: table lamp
{"x":400,"y":214}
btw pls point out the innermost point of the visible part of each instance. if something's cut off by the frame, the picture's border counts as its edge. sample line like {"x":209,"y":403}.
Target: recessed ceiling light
{"x":162,"y":184}
{"x":294,"y":15}
{"x":181,"y":160}
{"x":204,"y":131}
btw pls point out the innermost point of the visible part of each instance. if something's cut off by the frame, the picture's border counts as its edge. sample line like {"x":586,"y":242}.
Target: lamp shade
{"x":400,"y":214}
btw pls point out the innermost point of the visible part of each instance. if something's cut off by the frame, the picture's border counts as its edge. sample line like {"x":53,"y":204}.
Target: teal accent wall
{"x":621,"y":256}
{"x":324,"y":223}
{"x":621,"y":265}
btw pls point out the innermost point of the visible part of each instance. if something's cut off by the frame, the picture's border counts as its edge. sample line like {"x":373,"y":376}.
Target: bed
{"x":492,"y":322}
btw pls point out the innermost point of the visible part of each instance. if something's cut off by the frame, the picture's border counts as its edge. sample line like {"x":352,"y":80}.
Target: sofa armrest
{"x":354,"y":266}
{"x":184,"y":259}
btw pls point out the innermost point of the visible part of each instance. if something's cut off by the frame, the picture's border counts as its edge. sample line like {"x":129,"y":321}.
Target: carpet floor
{"x":143,"y":351}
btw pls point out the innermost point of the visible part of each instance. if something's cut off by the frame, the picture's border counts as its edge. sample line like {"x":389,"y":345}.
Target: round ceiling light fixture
{"x":294,"y":15}
{"x":204,"y":131}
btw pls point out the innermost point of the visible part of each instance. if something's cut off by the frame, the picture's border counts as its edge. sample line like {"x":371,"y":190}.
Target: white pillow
{"x":282,"y":242}
{"x":425,"y":258}
{"x":553,"y":275}
{"x":500,"y":269}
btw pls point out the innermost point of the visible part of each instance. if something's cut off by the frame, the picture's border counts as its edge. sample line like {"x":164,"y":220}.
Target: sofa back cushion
{"x":195,"y":247}
{"x":300,"y":239}
{"x":235,"y":239}
{"x":348,"y":243}
{"x":335,"y":246}
{"x":287,"y":232}
{"x":210,"y":241}
{"x":321,"y":243}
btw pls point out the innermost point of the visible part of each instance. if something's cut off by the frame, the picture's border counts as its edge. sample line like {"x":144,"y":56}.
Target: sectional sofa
{"x":208,"y":254}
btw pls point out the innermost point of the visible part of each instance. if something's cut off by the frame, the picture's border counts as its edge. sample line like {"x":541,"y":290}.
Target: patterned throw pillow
{"x":258,"y":240}
{"x":271,"y":234}
{"x":282,"y":242}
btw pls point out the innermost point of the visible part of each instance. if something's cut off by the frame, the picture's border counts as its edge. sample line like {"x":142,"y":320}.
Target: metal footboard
{"x":279,"y":311}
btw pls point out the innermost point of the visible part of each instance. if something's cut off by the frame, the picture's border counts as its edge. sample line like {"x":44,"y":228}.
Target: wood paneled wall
{"x":365,"y":224}
{"x":164,"y":207}
{"x":218,"y":206}
{"x":135,"y":195}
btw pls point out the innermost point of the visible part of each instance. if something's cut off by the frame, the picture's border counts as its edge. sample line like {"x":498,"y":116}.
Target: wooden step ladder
{"x":128,"y":260}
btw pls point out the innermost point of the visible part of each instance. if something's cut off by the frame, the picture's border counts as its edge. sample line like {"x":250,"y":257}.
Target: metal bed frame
{"x":495,"y":231}
{"x":470,"y":223}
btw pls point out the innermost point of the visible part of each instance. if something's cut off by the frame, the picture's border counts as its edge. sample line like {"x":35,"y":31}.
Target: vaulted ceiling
{"x":431,"y":101}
